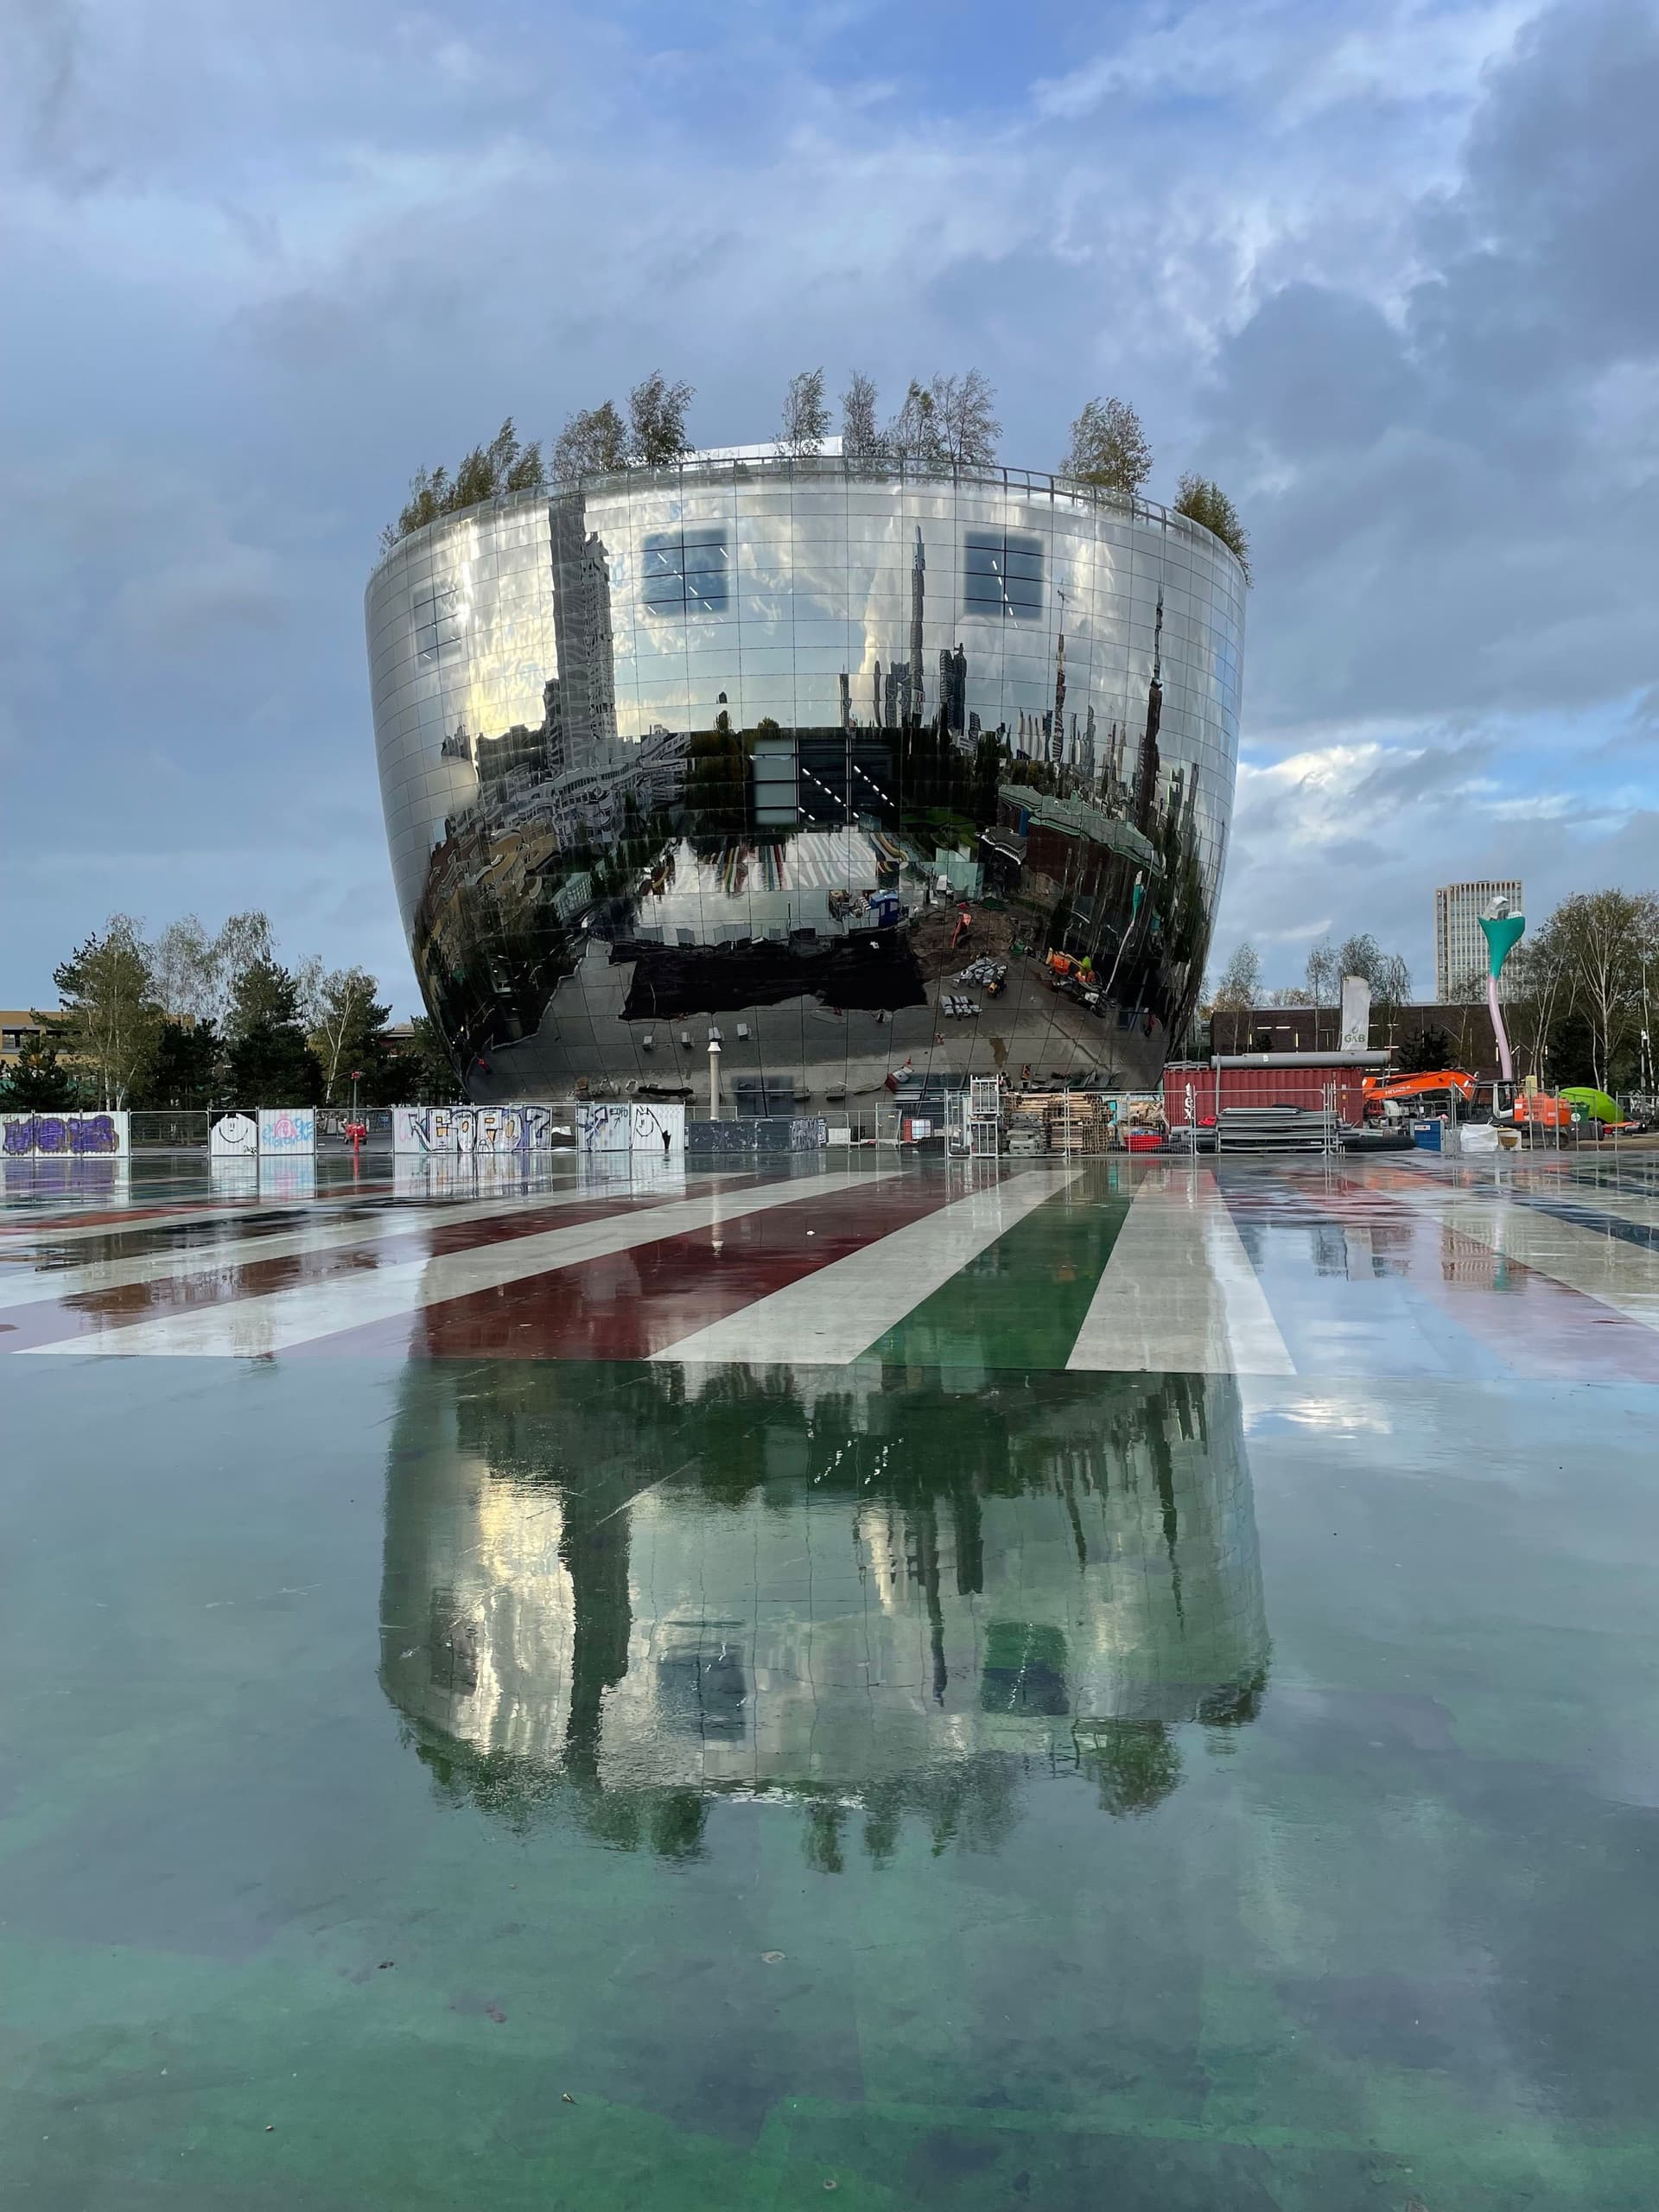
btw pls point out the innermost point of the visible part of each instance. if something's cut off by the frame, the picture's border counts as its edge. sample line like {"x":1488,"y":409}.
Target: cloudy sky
{"x":1386,"y":269}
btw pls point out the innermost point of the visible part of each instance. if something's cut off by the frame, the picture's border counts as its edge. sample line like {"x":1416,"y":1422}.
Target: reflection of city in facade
{"x":610,"y":1606}
{"x":652,"y":749}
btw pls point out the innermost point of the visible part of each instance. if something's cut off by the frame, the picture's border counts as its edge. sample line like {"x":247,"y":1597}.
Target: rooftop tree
{"x":1109,"y":447}
{"x":861,"y":441}
{"x":486,"y":473}
{"x":657,"y":411}
{"x":593,"y":442}
{"x":807,"y":414}
{"x":1206,"y":502}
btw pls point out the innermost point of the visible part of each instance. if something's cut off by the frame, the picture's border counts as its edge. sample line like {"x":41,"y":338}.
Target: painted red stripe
{"x":632,"y":1304}
{"x":198,"y":1281}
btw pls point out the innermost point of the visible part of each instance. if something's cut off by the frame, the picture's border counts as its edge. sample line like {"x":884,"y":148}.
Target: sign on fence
{"x":64,"y":1136}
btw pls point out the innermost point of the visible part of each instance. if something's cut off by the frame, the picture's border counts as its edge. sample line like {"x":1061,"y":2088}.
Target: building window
{"x":1002,"y":574}
{"x":687,"y":572}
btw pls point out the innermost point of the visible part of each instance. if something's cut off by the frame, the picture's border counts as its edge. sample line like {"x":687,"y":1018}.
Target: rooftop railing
{"x":699,"y":469}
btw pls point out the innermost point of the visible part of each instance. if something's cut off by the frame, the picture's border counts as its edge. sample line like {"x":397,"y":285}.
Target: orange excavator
{"x":1431,"y":1093}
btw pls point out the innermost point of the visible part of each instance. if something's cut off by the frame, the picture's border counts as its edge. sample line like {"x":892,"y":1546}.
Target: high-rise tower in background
{"x":1459,"y":948}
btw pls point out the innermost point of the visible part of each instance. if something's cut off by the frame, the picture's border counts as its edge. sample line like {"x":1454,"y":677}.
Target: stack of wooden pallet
{"x":1076,"y":1122}
{"x":1027,"y":1127}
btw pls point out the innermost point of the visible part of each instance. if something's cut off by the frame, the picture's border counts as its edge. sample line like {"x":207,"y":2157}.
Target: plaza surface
{"x":1119,"y":1684}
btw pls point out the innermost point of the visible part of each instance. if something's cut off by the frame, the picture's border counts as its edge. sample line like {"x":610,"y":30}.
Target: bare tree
{"x":657,"y":412}
{"x":861,"y":440}
{"x":593,"y":442}
{"x":1323,"y":975}
{"x":1240,"y":987}
{"x":184,"y":968}
{"x":807,"y":414}
{"x":1109,"y":447}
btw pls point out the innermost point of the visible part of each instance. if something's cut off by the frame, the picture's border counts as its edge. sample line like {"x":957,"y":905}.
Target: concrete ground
{"x":1120,"y":1684}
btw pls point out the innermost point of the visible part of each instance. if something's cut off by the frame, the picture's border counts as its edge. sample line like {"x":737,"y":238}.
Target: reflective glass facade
{"x":718,"y":746}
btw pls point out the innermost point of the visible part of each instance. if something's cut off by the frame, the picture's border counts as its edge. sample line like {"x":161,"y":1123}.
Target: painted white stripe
{"x":1607,"y":1268}
{"x":18,"y":1229}
{"x":1178,"y":1292}
{"x":828,"y":1319}
{"x":254,"y":1327}
{"x":20,"y":1288}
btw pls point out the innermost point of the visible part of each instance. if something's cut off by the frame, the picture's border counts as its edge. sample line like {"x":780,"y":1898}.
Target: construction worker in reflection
{"x":964,"y":923}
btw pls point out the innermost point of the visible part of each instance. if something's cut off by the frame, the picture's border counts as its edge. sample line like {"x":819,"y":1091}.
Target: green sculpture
{"x":1502,"y":930}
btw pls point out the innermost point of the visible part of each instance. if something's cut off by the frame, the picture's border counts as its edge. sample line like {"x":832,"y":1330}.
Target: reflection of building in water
{"x":854,"y":1598}
{"x":570,"y":686}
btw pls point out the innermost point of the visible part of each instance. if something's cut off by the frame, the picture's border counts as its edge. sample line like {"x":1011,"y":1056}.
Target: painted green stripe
{"x":1021,"y":1302}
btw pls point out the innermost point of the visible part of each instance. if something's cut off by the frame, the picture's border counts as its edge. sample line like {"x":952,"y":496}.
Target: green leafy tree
{"x":347,"y":1022}
{"x":949,"y":421}
{"x":657,"y":411}
{"x":111,"y":1021}
{"x":913,"y":436}
{"x":426,"y":1072}
{"x":37,"y":1082}
{"x":1586,"y":972}
{"x":1109,"y":447}
{"x":593,"y":442}
{"x":806,"y":414}
{"x":270,"y":1064}
{"x":486,"y":473}
{"x":1386,"y":972}
{"x":1206,"y":502}
{"x":862,"y":441}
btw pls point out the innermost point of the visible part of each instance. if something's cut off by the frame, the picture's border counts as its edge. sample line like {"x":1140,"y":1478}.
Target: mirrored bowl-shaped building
{"x":723,"y":747}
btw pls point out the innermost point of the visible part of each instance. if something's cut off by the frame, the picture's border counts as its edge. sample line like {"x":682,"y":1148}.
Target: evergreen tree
{"x":185,"y":1074}
{"x":36,"y":1082}
{"x":270,"y":1062}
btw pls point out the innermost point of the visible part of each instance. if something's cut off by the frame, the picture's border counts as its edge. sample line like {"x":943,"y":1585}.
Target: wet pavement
{"x":1114,"y":1685}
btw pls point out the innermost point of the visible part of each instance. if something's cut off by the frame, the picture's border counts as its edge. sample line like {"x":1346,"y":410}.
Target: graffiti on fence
{"x":658,"y":1130}
{"x":604,"y":1129}
{"x":234,"y":1137}
{"x":481,"y":1131}
{"x":64,"y":1136}
{"x":288,"y":1130}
